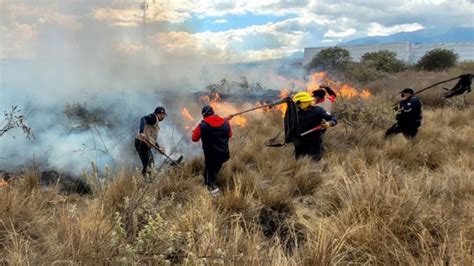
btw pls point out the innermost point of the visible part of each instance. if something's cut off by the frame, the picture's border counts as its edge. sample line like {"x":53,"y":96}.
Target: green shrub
{"x":333,"y":58}
{"x":385,"y":61}
{"x":361,"y":73}
{"x":438,"y":59}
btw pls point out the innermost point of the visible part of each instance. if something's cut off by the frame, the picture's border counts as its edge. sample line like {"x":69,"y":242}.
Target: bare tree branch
{"x":14,"y":119}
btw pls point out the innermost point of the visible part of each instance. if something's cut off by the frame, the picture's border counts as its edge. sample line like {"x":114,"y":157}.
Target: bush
{"x":438,"y":59}
{"x":384,"y":60}
{"x":361,"y":73}
{"x":333,"y":58}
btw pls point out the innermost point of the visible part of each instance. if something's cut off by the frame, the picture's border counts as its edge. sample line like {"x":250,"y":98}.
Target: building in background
{"x":405,"y":51}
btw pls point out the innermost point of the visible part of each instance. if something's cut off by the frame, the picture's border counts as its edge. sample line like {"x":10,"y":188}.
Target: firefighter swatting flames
{"x":306,"y":115}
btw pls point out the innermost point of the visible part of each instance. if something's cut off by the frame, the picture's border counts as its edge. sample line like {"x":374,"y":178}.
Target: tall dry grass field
{"x":368,"y":201}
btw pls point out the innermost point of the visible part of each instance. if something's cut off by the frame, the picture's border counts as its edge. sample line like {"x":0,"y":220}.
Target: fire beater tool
{"x":173,"y":162}
{"x":462,"y":86}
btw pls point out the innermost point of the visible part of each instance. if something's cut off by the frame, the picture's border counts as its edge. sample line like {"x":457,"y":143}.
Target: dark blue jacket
{"x":409,"y":111}
{"x":310,"y":118}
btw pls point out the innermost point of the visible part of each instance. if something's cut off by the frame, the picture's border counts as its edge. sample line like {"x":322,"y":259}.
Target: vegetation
{"x":14,"y":119}
{"x":361,"y":73}
{"x":334,"y":58}
{"x":385,"y":61}
{"x":368,"y":201}
{"x":438,"y":59}
{"x":377,"y":65}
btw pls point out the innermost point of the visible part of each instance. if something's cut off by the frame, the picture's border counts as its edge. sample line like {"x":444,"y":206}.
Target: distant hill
{"x":460,"y":34}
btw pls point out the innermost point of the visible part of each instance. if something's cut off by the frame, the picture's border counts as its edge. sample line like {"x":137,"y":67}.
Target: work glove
{"x":326,"y":125}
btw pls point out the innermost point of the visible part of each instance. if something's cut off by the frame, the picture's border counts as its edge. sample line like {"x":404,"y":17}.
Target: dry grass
{"x":368,"y":201}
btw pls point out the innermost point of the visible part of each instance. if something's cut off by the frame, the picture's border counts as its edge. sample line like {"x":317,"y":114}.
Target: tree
{"x":385,"y":61}
{"x":333,"y":58}
{"x":438,"y":59}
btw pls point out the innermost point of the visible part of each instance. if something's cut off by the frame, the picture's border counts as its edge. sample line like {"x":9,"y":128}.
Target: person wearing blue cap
{"x":408,"y":116}
{"x":214,"y":133}
{"x":147,"y":134}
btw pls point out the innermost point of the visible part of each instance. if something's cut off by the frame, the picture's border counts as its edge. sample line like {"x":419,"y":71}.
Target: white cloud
{"x":43,"y":14}
{"x":340,"y":34}
{"x":16,"y":39}
{"x":227,"y":46}
{"x":220,"y":21}
{"x":130,"y":17}
{"x":310,"y":23}
{"x":122,"y":18}
{"x":376,"y":29}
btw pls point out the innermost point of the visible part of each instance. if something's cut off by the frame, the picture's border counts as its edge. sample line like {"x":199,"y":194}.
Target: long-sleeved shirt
{"x":149,"y":126}
{"x":311,"y":118}
{"x":410,"y":110}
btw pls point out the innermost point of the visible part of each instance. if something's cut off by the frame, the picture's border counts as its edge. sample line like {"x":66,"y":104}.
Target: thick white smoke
{"x":81,"y":62}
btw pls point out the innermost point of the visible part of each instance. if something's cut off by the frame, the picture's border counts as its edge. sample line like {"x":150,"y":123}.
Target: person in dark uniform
{"x":148,"y":134}
{"x":310,"y":117}
{"x":408,"y":116}
{"x":214,"y":133}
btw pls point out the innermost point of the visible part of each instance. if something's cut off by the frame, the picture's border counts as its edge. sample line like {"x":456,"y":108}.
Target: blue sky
{"x":229,"y":22}
{"x":217,"y":31}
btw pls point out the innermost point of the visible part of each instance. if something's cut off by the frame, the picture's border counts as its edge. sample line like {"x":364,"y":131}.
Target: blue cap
{"x":207,"y":110}
{"x":160,"y":110}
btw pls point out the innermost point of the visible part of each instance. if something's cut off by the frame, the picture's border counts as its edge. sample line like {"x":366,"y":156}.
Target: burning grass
{"x":368,"y":201}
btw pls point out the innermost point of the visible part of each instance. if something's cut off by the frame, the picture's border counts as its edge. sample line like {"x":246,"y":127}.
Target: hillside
{"x":368,"y":201}
{"x":429,"y":35}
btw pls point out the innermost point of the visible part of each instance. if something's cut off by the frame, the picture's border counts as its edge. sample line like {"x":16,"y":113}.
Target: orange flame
{"x":189,"y":119}
{"x":223,"y":108}
{"x":3,"y":182}
{"x":342,"y":89}
{"x":187,"y":116}
{"x":365,"y":94}
{"x":317,"y":79}
{"x":282,"y":107}
{"x":322,"y":79}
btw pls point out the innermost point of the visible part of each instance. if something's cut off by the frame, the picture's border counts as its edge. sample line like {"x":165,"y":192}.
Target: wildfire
{"x":282,"y":107}
{"x":189,"y":119}
{"x":3,"y":182}
{"x":187,"y":116}
{"x":223,"y":108}
{"x":342,"y":89}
